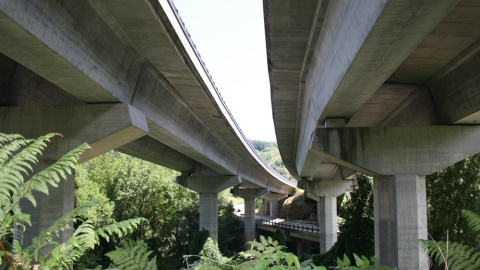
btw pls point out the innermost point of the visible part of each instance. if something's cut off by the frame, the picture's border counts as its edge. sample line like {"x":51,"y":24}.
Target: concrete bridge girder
{"x":104,"y":126}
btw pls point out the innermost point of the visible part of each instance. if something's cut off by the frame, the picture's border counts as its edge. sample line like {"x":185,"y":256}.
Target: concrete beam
{"x":149,"y":149}
{"x":455,"y":89}
{"x":104,"y":127}
{"x":325,"y":188}
{"x":362,"y":44}
{"x":208,"y":184}
{"x":397,"y":150}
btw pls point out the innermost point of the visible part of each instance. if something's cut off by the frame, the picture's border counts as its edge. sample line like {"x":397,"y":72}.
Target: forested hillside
{"x":269,"y":151}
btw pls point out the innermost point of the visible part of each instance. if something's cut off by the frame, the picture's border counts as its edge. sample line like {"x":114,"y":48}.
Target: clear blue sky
{"x":230,"y":36}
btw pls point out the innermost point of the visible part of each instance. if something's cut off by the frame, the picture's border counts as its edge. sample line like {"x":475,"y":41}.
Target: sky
{"x":230,"y":36}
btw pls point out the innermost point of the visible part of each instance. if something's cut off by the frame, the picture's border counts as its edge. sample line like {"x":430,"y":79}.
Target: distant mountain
{"x":269,"y":151}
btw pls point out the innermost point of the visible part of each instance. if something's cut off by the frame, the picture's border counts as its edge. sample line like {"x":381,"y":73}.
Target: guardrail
{"x":288,"y":225}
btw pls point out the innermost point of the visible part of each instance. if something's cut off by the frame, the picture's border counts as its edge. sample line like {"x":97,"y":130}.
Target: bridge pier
{"x":398,"y":158}
{"x":273,"y":199}
{"x":325,"y":192}
{"x":249,"y":195}
{"x":400,"y":219}
{"x":208,"y":188}
{"x":104,"y":127}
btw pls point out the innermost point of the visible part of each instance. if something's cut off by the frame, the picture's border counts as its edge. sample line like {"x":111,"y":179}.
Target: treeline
{"x":270,"y":153}
{"x":129,"y":187}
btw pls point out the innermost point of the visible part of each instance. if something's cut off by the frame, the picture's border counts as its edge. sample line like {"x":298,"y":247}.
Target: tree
{"x":280,"y":237}
{"x":454,"y":254}
{"x":357,"y":231}
{"x":139,"y":188}
{"x":448,"y":191}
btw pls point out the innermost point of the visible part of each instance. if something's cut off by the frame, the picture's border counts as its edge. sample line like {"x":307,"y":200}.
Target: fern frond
{"x":459,"y":256}
{"x":472,"y":219}
{"x":133,"y":255}
{"x":120,"y":228}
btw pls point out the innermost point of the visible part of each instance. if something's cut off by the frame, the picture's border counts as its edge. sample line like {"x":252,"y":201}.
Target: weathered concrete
{"x":59,"y":202}
{"x":208,"y":188}
{"x":398,"y":158}
{"x":400,"y":220}
{"x":397,"y":150}
{"x":325,"y":192}
{"x":249,"y":195}
{"x":104,"y":126}
{"x":273,"y":199}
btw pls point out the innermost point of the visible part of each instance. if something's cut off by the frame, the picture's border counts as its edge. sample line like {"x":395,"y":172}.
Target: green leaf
{"x":358,"y":261}
{"x":346,"y":260}
{"x":263,"y":264}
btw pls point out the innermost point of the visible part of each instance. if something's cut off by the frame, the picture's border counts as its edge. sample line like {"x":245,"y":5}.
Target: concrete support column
{"x":249,"y":195}
{"x":59,"y":202}
{"x":103,"y":126}
{"x":327,"y":220}
{"x":208,"y":187}
{"x":400,"y":207}
{"x":274,"y":198}
{"x":209,"y":213}
{"x":249,"y":219}
{"x":325,"y":192}
{"x":273,"y":209}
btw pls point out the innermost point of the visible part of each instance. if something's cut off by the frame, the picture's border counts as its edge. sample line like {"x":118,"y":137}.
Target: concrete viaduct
{"x":123,"y":75}
{"x":389,"y":88}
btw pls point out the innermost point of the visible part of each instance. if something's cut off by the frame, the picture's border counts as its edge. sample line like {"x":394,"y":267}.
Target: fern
{"x":456,"y":255}
{"x":133,"y":255}
{"x":18,"y":157}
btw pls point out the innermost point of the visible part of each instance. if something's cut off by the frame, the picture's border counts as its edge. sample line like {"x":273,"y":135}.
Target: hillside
{"x":270,"y":153}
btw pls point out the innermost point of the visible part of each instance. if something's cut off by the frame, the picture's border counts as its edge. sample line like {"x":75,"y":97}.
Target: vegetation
{"x":280,"y":237}
{"x":269,"y":254}
{"x":357,"y":231}
{"x":448,"y":192}
{"x":129,"y":187}
{"x":18,"y":157}
{"x":454,"y":254}
{"x":270,"y":153}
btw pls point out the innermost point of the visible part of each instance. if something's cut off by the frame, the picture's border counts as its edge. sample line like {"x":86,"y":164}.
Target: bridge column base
{"x":208,"y":187}
{"x":400,"y":220}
